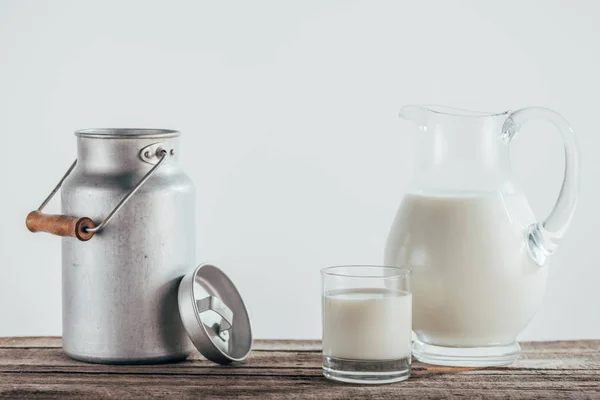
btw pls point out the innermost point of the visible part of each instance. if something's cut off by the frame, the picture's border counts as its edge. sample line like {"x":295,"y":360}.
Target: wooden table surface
{"x":36,"y":367}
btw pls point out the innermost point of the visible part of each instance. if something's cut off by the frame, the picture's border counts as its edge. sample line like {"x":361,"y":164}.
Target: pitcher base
{"x":466,"y":356}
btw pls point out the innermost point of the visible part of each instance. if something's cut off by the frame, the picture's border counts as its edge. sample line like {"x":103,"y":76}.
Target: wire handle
{"x":84,"y":228}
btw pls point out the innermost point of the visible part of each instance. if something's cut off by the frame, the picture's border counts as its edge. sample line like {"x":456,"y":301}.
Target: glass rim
{"x":400,"y":272}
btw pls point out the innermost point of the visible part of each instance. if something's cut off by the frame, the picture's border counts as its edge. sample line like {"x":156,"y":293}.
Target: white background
{"x":289,"y":117}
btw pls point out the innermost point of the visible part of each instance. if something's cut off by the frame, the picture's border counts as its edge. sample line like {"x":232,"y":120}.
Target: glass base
{"x":466,"y":356}
{"x":366,"y":371}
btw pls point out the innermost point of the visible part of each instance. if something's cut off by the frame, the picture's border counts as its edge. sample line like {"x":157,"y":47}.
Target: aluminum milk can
{"x":121,"y":277}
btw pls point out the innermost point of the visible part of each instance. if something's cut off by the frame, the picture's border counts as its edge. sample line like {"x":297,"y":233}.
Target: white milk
{"x":367,"y":324}
{"x":473,"y":281}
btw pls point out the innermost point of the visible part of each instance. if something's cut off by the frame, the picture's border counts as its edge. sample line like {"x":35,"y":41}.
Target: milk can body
{"x":120,"y":289}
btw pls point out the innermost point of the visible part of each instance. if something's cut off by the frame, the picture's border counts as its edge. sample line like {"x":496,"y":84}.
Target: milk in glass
{"x":367,"y":324}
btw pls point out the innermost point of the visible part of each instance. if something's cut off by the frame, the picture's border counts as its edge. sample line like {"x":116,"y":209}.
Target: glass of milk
{"x":367,"y":323}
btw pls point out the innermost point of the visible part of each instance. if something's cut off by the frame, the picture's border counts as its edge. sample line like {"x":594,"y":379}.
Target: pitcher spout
{"x":415,"y":114}
{"x":459,"y":119}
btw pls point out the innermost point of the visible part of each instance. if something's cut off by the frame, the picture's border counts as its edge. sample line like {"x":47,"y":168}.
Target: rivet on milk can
{"x":130,"y":291}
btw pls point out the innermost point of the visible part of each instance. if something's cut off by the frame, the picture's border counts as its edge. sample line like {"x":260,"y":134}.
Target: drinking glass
{"x":367,"y":323}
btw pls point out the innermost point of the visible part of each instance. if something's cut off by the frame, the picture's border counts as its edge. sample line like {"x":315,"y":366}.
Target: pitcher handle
{"x":543,"y":236}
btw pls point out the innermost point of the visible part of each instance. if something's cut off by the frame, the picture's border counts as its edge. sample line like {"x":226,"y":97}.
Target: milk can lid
{"x":214,"y":315}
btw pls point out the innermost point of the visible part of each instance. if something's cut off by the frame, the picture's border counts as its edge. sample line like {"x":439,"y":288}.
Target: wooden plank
{"x":535,"y":355}
{"x":311,"y":345}
{"x":124,"y":386}
{"x":259,"y":344}
{"x":36,"y":367}
{"x":53,"y":359}
{"x":28,"y":342}
{"x":286,"y":345}
{"x":32,"y":359}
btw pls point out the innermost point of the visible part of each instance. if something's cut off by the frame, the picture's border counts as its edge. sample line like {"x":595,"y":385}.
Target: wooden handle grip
{"x":60,"y":225}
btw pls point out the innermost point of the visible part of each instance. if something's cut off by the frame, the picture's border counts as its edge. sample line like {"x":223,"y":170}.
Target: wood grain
{"x":258,"y":344}
{"x":60,"y":225}
{"x":36,"y":367}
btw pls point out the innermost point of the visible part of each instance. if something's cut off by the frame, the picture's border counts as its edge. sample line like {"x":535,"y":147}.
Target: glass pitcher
{"x":477,"y":253}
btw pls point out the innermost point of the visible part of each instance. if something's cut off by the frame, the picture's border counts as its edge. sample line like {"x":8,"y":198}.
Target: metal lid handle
{"x":213,"y":303}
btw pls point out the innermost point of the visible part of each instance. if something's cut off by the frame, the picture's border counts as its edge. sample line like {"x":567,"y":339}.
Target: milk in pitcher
{"x":474,"y":283}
